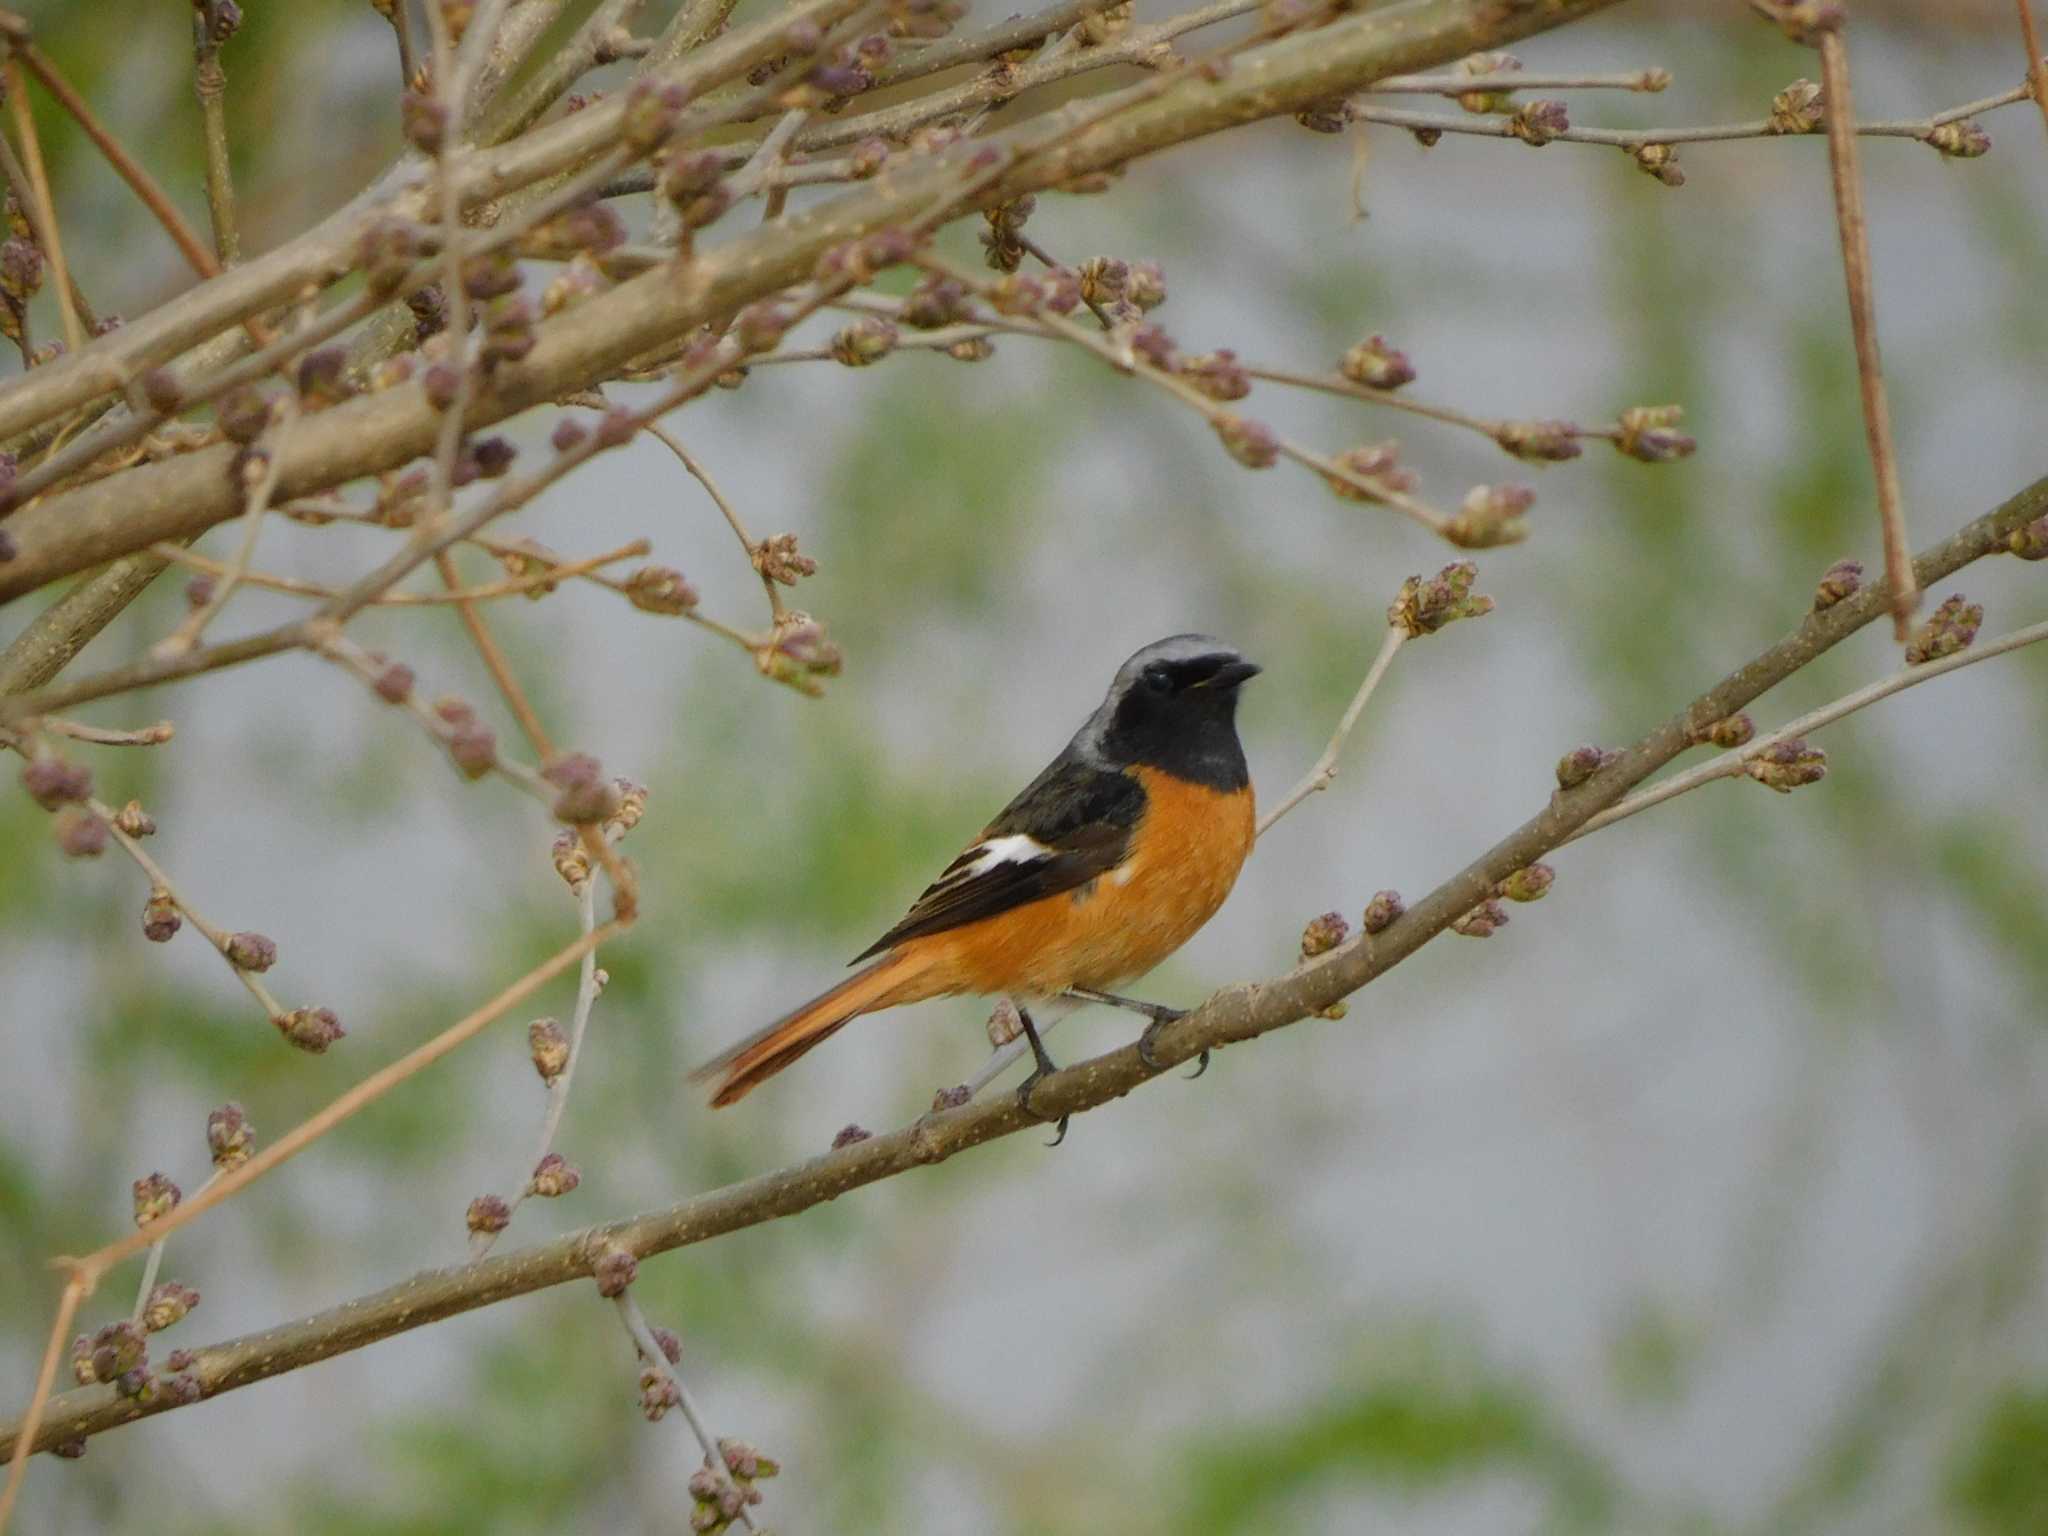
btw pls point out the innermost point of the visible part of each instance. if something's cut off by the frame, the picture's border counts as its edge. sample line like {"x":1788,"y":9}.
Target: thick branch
{"x":185,"y":496}
{"x":1237,"y":1013}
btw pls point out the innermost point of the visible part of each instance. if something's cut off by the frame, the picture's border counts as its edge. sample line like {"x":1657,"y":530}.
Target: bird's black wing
{"x":1070,"y":825}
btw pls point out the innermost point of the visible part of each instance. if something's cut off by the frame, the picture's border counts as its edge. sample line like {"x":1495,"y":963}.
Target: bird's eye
{"x":1156,"y":680}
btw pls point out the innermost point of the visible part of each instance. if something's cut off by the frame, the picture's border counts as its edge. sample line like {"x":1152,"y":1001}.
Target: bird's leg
{"x":1158,"y":1013}
{"x":1042,"y":1070}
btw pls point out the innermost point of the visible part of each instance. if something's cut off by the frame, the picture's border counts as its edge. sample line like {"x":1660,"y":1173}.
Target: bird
{"x":1103,"y":865}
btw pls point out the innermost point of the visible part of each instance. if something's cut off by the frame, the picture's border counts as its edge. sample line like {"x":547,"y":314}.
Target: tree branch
{"x":1234,"y":1014}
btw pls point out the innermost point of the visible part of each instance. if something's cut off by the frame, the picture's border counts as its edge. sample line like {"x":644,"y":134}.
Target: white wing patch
{"x":1017,"y":848}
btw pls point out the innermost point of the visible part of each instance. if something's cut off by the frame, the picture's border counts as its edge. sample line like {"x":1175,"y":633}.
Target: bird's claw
{"x":1024,"y":1091}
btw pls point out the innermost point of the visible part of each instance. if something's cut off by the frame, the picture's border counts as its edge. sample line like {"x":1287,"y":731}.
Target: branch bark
{"x":1237,"y":1013}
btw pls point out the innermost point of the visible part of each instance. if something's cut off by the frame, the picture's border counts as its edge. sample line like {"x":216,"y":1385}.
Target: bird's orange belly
{"x":1186,"y":854}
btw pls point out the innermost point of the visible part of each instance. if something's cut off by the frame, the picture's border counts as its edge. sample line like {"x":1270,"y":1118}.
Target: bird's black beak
{"x":1231,"y":673}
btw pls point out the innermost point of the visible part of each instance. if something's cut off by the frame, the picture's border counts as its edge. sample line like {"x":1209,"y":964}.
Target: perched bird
{"x":1106,"y":864}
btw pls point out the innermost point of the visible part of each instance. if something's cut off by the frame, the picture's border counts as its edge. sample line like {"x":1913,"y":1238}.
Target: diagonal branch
{"x":1237,"y":1013}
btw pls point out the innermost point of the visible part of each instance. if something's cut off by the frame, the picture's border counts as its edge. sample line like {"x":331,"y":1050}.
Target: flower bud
{"x":1735,"y":731}
{"x":155,"y":1197}
{"x":1483,"y":921}
{"x":867,"y":340}
{"x":1797,"y":108}
{"x":54,"y":781}
{"x":1949,"y":629}
{"x":1787,"y":765}
{"x":1532,"y":882}
{"x":81,"y":834}
{"x":1536,"y":123}
{"x":1650,"y":433}
{"x":1382,"y":912}
{"x":312,"y":1030}
{"x":614,"y":1271}
{"x":251,"y":952}
{"x":1840,"y":580}
{"x":848,"y":1135}
{"x":660,"y":589}
{"x":1218,"y":374}
{"x":1580,"y":764}
{"x":553,"y":1176}
{"x":1543,"y":441}
{"x":230,"y":1138}
{"x":168,"y":1304}
{"x":1323,"y":934}
{"x":160,"y":919}
{"x":1491,"y":515}
{"x":1252,"y":443}
{"x":1424,"y":607}
{"x":488,"y":1214}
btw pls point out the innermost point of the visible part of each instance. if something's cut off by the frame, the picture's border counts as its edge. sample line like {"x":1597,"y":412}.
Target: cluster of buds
{"x":1531,"y":882}
{"x":660,"y":589}
{"x":583,"y":795}
{"x":2030,"y":542}
{"x":117,"y":1355}
{"x":1797,"y":108}
{"x":312,"y":1030}
{"x":230,"y":1138}
{"x":721,"y":1499}
{"x":21,"y":274}
{"x":652,"y":108}
{"x":1324,"y":934}
{"x":658,"y":1392}
{"x":1424,"y":607}
{"x":53,"y":782}
{"x":250,"y":952}
{"x":154,"y":1197}
{"x":846,"y":71}
{"x":1650,"y":433}
{"x":323,"y":378}
{"x":168,"y":1304}
{"x":632,"y":806}
{"x":778,"y":559}
{"x":243,"y":414}
{"x":472,"y":745}
{"x":1536,"y":123}
{"x":160,"y":919}
{"x":1549,"y":442}
{"x":1382,"y":912}
{"x":1842,"y":579}
{"x":615,"y":1271}
{"x":867,"y":340}
{"x":386,"y":251}
{"x":548,"y":1045}
{"x":572,"y":863}
{"x":80,"y":833}
{"x":951,"y":1098}
{"x":1964,"y":140}
{"x":849,"y":1135}
{"x":1002,"y":243}
{"x":400,"y":496}
{"x":1218,"y":374}
{"x":1728,"y":733}
{"x":1330,"y":116}
{"x":935,"y":302}
{"x":1660,"y":161}
{"x":487,"y":1215}
{"x":1483,"y":921}
{"x":134,"y":820}
{"x":589,"y":228}
{"x":799,"y":653}
{"x":1787,"y":765}
{"x":553,"y":1177}
{"x":1491,"y":515}
{"x":1581,"y":763}
{"x":1377,"y":364}
{"x":1949,"y":629}
{"x":429,"y":307}
{"x":1372,"y":472}
{"x":1252,"y":443}
{"x":692,"y":181}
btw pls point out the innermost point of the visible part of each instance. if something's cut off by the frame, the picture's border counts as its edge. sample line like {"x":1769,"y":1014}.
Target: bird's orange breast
{"x":1185,"y":853}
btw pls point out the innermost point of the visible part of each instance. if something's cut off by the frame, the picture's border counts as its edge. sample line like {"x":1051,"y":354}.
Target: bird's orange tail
{"x":760,"y":1056}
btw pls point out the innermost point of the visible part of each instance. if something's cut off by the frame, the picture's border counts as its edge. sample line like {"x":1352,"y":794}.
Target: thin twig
{"x":1731,"y":764}
{"x":210,"y":84}
{"x":515,"y":586}
{"x":2037,"y":67}
{"x":494,"y":658}
{"x":642,"y":1334}
{"x":1840,"y":112}
{"x":1325,"y":771}
{"x":702,"y":476}
{"x":130,"y":170}
{"x":258,"y":490}
{"x":1490,"y":127}
{"x":1646,"y":80}
{"x":76,"y":1289}
{"x":143,"y":736}
{"x":45,"y":223}
{"x":153,"y":1263}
